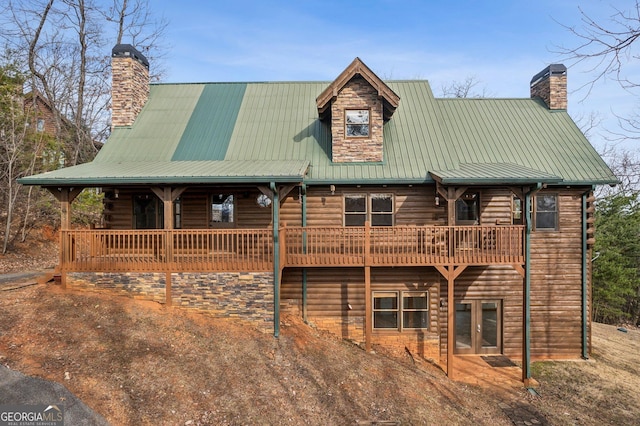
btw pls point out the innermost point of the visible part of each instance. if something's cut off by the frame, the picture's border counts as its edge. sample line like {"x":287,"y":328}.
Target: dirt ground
{"x":140,"y":363}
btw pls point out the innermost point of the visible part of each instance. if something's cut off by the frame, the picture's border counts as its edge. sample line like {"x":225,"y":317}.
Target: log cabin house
{"x":370,"y":207}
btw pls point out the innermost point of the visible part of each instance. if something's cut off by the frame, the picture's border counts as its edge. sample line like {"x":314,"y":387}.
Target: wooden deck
{"x":254,"y":249}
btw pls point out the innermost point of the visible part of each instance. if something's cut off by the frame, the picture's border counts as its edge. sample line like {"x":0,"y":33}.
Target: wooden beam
{"x":368,"y":311}
{"x":519,"y":269}
{"x":450,"y":323}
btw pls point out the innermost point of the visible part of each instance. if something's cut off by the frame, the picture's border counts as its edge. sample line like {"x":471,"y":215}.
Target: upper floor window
{"x":376,"y":208}
{"x":468,"y":209}
{"x":40,"y":125}
{"x":357,"y":123}
{"x":546,"y":212}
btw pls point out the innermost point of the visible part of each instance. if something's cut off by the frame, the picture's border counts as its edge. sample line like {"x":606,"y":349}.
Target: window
{"x":177,"y":213}
{"x":385,"y":309}
{"x":40,"y":125}
{"x":222,"y":211}
{"x":413,"y":310}
{"x":468,"y":209}
{"x":516,"y":211}
{"x":147,"y":213}
{"x":357,"y":123}
{"x":377,"y":208}
{"x":546,"y":212}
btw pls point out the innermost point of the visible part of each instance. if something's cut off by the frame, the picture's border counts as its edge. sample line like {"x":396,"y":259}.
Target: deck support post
{"x":526,"y":293}
{"x":368,"y":309}
{"x":276,"y":259}
{"x":65,"y":195}
{"x":168,"y":195}
{"x":303,"y":200}
{"x":451,"y":272}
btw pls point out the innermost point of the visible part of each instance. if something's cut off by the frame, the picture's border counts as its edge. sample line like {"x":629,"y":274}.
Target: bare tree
{"x":463,"y":89}
{"x":607,"y":46}
{"x":63,"y":48}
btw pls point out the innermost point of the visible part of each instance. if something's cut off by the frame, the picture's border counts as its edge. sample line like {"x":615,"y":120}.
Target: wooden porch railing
{"x":176,"y":250}
{"x":403,"y":245}
{"x":202,"y":250}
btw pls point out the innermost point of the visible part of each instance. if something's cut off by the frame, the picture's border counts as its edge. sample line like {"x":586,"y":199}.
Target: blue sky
{"x":501,"y":44}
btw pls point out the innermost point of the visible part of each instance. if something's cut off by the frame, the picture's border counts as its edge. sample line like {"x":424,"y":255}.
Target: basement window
{"x":356,"y":123}
{"x":406,"y":310}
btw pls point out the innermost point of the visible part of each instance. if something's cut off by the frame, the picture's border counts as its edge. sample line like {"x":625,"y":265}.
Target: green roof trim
{"x":211,"y":124}
{"x":175,"y":172}
{"x":492,"y":174}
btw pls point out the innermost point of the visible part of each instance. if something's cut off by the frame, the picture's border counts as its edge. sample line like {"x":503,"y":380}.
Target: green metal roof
{"x":174,"y":172}
{"x":246,"y":132}
{"x":492,"y":174}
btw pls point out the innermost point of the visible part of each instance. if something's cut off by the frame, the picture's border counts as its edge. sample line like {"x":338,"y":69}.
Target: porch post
{"x":526,"y":296}
{"x":168,"y":196}
{"x":65,"y":195}
{"x":65,"y":225}
{"x":303,"y":196}
{"x":276,"y":259}
{"x":450,"y":322}
{"x":368,"y":310}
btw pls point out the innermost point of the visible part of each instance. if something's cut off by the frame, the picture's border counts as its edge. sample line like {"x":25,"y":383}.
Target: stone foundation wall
{"x":147,"y":286}
{"x":245,"y":296}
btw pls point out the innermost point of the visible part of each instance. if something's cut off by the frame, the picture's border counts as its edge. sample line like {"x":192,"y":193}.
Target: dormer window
{"x":357,"y":123}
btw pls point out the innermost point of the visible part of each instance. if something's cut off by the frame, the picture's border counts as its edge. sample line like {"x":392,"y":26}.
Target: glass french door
{"x":478,"y":326}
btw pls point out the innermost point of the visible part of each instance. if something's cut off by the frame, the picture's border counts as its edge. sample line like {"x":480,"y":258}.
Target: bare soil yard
{"x":140,"y":363}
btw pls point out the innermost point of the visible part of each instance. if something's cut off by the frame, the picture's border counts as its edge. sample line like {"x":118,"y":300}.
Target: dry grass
{"x":139,"y":363}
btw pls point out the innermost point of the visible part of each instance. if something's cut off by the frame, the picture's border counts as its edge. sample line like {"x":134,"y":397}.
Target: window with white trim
{"x":356,"y":123}
{"x":400,"y":310}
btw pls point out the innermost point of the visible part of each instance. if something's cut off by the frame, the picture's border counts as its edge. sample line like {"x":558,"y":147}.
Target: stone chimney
{"x":550,"y":85}
{"x":130,"y":84}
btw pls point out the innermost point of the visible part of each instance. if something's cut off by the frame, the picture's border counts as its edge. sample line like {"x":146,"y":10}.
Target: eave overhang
{"x":390,"y":99}
{"x":172,"y":173}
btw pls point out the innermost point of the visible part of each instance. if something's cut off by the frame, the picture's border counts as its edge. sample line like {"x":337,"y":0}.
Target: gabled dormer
{"x":357,"y":104}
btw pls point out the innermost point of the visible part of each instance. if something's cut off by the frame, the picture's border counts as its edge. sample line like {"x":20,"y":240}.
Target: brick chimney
{"x":550,"y":85}
{"x":129,"y":86}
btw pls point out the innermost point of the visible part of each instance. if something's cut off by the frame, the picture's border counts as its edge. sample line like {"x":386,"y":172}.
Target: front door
{"x":478,"y":325}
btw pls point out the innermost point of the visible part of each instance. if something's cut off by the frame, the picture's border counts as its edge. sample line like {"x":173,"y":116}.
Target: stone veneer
{"x":357,"y":94}
{"x":552,"y":90}
{"x":246,"y":296}
{"x":129,"y":85}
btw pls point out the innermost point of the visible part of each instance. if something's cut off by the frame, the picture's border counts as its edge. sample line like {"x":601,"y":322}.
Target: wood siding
{"x":556,"y":282}
{"x":556,"y":261}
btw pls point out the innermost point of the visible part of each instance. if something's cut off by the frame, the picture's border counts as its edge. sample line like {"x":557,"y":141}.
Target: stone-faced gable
{"x":357,"y":94}
{"x":357,"y":89}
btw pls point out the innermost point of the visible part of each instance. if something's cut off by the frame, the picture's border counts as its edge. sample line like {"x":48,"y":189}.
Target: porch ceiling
{"x":174,"y":172}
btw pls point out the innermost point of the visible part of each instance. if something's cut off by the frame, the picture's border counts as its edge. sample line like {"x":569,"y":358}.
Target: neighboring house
{"x":376,"y":211}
